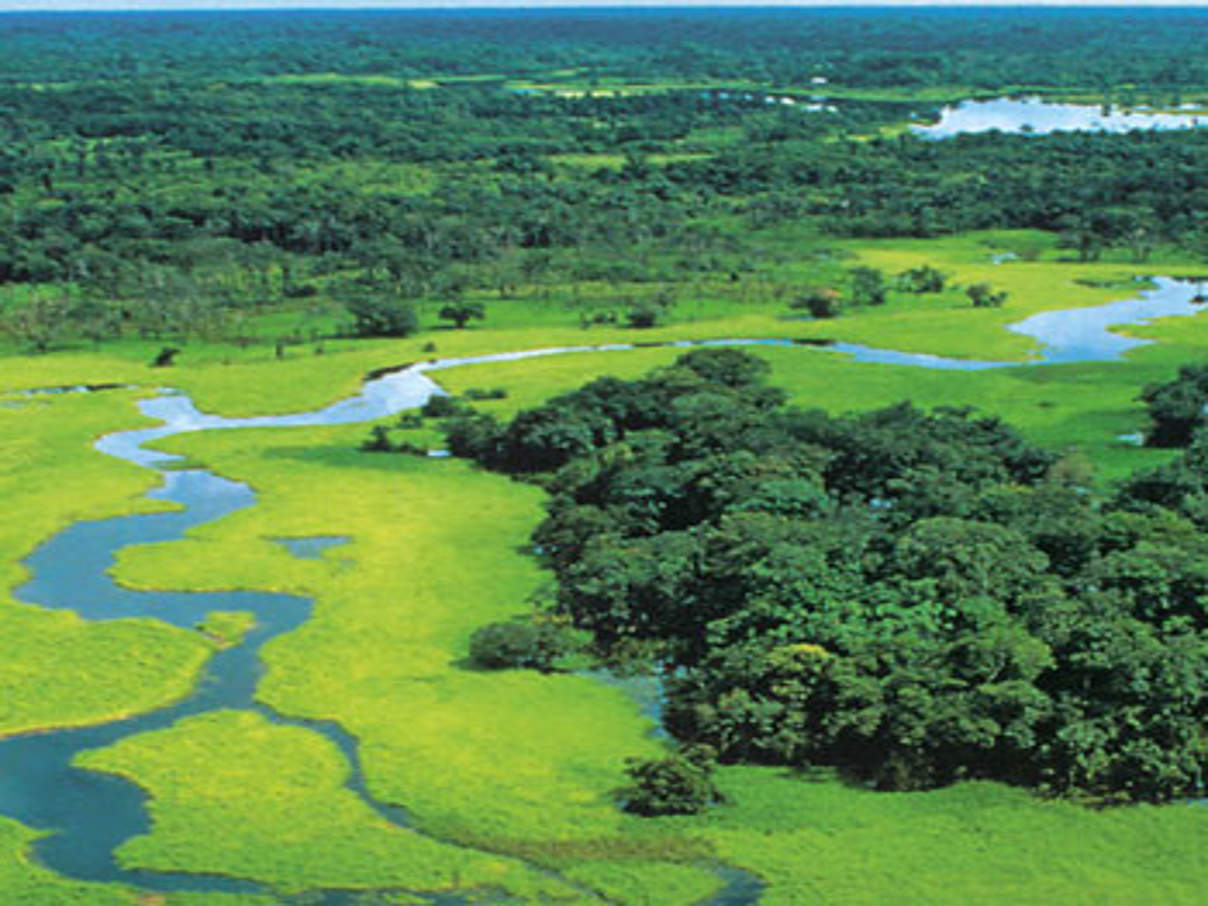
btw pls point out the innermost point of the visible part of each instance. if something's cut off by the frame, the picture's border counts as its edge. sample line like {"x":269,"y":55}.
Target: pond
{"x":1035,"y":116}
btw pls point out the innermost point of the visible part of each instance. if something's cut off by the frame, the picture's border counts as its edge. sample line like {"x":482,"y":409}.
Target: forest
{"x":603,"y":457}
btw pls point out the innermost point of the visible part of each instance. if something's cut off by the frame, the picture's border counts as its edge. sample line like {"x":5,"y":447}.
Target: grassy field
{"x":24,"y":881}
{"x":55,"y":668}
{"x":503,"y":771}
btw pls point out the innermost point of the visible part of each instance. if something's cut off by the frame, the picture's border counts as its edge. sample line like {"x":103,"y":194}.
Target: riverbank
{"x":522,"y":764}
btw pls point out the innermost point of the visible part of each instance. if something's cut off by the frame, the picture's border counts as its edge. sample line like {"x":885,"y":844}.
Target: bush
{"x":481,"y":393}
{"x":537,"y":646}
{"x":460,"y":313}
{"x":923,"y":279}
{"x":982,"y":295}
{"x":867,"y":286}
{"x":681,"y":784}
{"x":650,"y":312}
{"x":441,"y":406}
{"x":820,"y":301}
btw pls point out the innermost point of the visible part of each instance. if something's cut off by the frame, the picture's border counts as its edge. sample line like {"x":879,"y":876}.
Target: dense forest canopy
{"x":249,"y":159}
{"x":912,"y":597}
{"x":882,"y":47}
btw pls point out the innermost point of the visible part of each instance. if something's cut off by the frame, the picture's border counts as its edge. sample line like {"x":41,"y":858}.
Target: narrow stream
{"x":93,"y":813}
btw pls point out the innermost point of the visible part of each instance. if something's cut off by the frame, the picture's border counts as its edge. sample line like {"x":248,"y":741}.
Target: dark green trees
{"x":461,"y":313}
{"x":382,"y":316}
{"x":680,"y":784}
{"x":537,"y":646}
{"x":911,"y":597}
{"x":867,"y":286}
{"x":983,"y":295}
{"x":921,"y":279}
{"x":1177,"y":407}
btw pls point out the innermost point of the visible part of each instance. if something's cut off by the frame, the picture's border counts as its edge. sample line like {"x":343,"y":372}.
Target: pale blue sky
{"x":8,"y":5}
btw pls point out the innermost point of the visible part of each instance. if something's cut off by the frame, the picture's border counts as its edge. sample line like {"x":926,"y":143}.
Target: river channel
{"x":90,"y":814}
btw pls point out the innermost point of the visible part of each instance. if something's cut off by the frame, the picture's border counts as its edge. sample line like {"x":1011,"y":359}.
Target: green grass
{"x":660,"y":883}
{"x":518,"y":764}
{"x":55,"y":668}
{"x":227,"y":628}
{"x":23,"y":881}
{"x":236,"y":794}
{"x":816,"y":840}
{"x":425,"y":534}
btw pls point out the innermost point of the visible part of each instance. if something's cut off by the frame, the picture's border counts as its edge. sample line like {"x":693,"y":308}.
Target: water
{"x":1082,"y":335}
{"x":311,"y":548}
{"x":92,"y":813}
{"x":1035,"y":116}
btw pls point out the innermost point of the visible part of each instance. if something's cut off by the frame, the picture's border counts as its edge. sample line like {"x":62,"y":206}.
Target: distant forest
{"x":985,"y":48}
{"x":229,"y":162}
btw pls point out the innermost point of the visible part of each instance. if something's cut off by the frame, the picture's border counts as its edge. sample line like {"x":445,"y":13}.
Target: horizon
{"x":128,"y":6}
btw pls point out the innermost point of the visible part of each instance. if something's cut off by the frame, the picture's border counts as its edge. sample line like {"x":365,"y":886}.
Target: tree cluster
{"x":911,"y":597}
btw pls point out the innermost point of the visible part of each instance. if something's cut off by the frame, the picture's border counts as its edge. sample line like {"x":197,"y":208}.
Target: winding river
{"x":90,"y":814}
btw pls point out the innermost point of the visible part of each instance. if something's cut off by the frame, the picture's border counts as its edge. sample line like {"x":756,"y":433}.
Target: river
{"x":90,"y":814}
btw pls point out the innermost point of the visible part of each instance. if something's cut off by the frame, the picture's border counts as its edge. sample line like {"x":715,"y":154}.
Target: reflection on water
{"x":1038,"y":117}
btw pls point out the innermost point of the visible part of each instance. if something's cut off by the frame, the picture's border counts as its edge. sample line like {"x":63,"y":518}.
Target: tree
{"x":460,"y":313}
{"x":39,"y":322}
{"x":820,"y":301}
{"x":1177,"y":407}
{"x":382,"y":316}
{"x":867,"y":286}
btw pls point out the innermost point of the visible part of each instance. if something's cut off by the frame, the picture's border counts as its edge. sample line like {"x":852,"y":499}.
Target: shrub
{"x":681,"y":784}
{"x":481,"y":393}
{"x":820,"y":301}
{"x":982,"y":295}
{"x":538,"y":646}
{"x":922,"y":279}
{"x":441,"y":406}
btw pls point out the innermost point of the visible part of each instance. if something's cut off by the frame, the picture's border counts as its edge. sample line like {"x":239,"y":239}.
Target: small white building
{"x":819,"y":80}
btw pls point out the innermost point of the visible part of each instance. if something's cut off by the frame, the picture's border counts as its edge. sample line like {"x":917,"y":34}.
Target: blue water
{"x":89,"y":814}
{"x":311,"y":548}
{"x":1035,"y":116}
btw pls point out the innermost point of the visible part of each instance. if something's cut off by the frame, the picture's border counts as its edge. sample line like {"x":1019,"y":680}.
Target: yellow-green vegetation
{"x":519,"y":765}
{"x":27,"y":883}
{"x":227,"y":628}
{"x":382,"y":653}
{"x":236,"y":794}
{"x":815,"y":840}
{"x":616,"y":161}
{"x":660,"y":883}
{"x":55,"y":668}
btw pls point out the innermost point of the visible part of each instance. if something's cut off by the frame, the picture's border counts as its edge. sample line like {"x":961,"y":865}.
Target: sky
{"x":64,"y":5}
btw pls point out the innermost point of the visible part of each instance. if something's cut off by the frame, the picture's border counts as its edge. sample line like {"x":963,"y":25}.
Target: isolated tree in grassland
{"x":867,"y":286}
{"x":819,"y":301}
{"x":536,"y":646}
{"x":382,"y":316}
{"x":461,"y":313}
{"x":651,"y":311}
